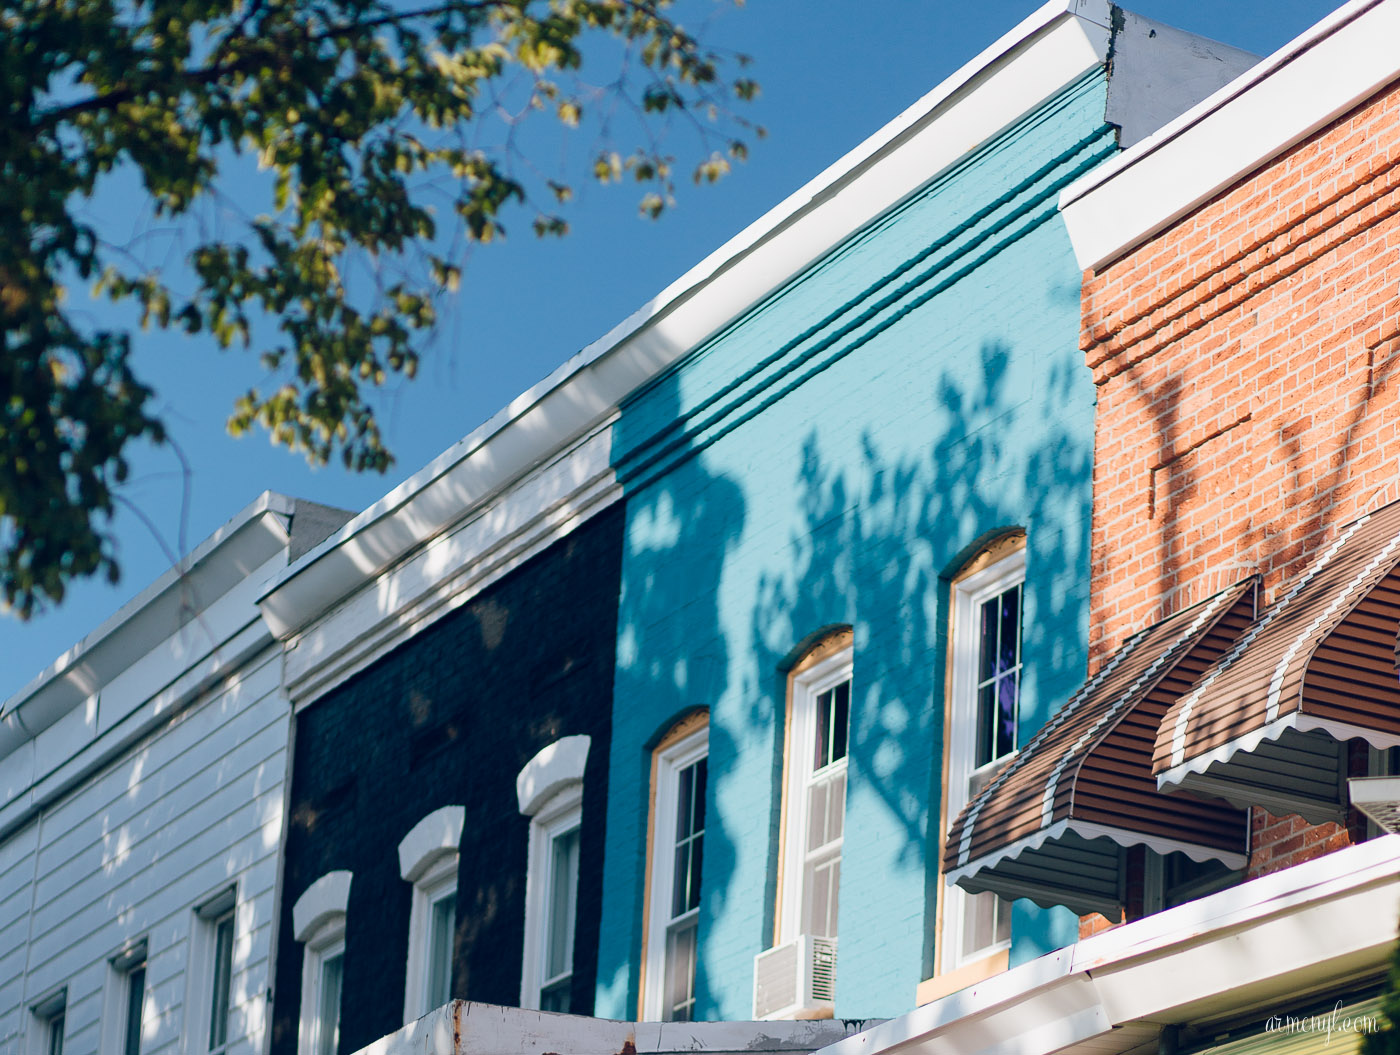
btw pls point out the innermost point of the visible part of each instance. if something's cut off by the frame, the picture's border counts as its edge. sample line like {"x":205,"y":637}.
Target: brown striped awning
{"x":1267,"y":724}
{"x":1053,"y":824}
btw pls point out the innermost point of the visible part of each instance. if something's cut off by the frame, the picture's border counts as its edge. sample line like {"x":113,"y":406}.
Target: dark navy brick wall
{"x":449,"y":718}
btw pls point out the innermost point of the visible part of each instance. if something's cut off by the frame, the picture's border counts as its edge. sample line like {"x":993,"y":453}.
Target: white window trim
{"x":318,"y":922}
{"x":116,"y":998}
{"x":968,"y":594}
{"x":428,"y":858}
{"x":806,"y":687}
{"x":326,"y":941}
{"x":560,"y":815}
{"x":669,"y":762}
{"x":45,"y":1014}
{"x":199,"y":976}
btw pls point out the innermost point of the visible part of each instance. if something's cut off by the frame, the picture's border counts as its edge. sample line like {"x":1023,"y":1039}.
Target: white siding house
{"x":142,"y":778}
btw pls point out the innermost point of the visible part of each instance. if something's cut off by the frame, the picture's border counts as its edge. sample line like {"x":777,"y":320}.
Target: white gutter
{"x":1257,"y":948}
{"x":217,"y":565}
{"x":1058,"y":42}
{"x":1341,"y":61}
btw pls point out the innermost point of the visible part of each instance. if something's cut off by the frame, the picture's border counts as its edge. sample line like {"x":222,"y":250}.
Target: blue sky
{"x":832,"y":72}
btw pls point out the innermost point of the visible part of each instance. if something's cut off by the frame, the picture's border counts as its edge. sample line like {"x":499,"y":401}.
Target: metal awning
{"x":1267,"y":724}
{"x":1054,"y":823}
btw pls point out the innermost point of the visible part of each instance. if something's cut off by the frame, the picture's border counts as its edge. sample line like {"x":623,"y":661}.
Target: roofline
{"x":585,"y":389}
{"x":130,"y":618}
{"x":1167,"y":967}
{"x":1243,"y":126}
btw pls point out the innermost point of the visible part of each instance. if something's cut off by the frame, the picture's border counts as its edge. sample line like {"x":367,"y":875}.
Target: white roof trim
{"x":1262,"y":940}
{"x":220,"y":563}
{"x":329,"y":896}
{"x":553,"y":769}
{"x":1057,"y":43}
{"x":437,"y":834}
{"x":1342,"y":60}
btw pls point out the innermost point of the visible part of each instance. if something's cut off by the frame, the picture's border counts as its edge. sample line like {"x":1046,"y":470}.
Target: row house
{"x":660,"y":694}
{"x":1214,"y":800}
{"x":142,"y":811}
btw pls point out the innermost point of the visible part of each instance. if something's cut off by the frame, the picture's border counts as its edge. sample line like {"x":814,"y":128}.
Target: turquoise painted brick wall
{"x":829,"y":459}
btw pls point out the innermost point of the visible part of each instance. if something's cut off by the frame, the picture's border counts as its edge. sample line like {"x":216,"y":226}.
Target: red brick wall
{"x":1248,"y":370}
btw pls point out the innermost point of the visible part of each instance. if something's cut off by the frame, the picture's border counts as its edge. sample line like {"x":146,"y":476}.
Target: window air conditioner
{"x":795,"y":980}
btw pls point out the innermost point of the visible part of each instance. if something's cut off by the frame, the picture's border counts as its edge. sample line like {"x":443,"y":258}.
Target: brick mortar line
{"x":1213,"y":305}
{"x":1363,"y":200}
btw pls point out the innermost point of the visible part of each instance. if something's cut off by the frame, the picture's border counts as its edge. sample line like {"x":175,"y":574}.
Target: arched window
{"x":980,"y":732}
{"x":675,"y":841}
{"x":428,"y":860}
{"x":318,"y":922}
{"x":549,"y":790}
{"x":797,"y":977}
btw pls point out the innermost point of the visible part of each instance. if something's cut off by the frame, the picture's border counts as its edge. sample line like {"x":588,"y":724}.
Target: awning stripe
{"x":1183,"y":716}
{"x":1047,"y":805}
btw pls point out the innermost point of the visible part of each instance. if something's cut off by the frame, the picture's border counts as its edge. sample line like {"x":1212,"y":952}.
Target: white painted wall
{"x":132,"y":851}
{"x":143,"y":775}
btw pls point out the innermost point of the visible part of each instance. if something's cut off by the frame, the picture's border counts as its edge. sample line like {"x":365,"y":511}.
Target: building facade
{"x":1220,"y":787}
{"x":144,"y":777}
{"x":857,"y":548}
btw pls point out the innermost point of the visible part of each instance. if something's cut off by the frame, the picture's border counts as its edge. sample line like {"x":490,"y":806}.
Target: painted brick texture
{"x":1247,"y":362}
{"x":449,"y":718}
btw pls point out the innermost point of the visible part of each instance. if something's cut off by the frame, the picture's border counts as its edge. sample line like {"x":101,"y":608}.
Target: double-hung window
{"x":428,"y":859}
{"x":126,"y":998}
{"x":814,"y":825}
{"x":678,"y":843}
{"x":50,"y":1020}
{"x":211,"y":974}
{"x":986,"y":693}
{"x":318,"y":921}
{"x":549,"y":790}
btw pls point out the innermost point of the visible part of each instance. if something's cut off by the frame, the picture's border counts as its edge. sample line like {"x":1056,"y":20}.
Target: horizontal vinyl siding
{"x":190,"y":810}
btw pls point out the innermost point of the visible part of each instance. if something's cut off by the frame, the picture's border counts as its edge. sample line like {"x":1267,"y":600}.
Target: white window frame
{"x":968,"y":595}
{"x":49,"y":1022}
{"x":121,"y":970}
{"x":428,"y":858}
{"x":806,"y":687}
{"x":670,"y":761}
{"x":562,"y":814}
{"x":325,"y":943}
{"x":203,"y":972}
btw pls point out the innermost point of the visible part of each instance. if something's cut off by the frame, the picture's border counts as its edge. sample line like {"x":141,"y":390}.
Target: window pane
{"x":444,"y":925}
{"x":1010,"y":629}
{"x":557,"y":996}
{"x":985,"y":719}
{"x":987,"y":642}
{"x":822,"y":720}
{"x":823,"y":884}
{"x":680,"y":973}
{"x":223,"y":970}
{"x":840,"y":720}
{"x":56,"y":1034}
{"x":701,"y":776}
{"x":685,"y":802}
{"x":1008,"y":692}
{"x":135,"y":997}
{"x":328,"y":1006}
{"x":816,"y":816}
{"x":559,"y":952}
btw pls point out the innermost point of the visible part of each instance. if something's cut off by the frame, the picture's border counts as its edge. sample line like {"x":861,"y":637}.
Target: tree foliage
{"x":359,"y":113}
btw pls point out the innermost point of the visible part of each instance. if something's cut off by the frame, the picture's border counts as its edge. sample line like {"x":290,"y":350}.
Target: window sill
{"x":931,"y":989}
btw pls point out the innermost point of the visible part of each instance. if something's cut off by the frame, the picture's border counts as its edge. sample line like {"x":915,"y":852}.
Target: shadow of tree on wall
{"x":672,"y":659}
{"x":881,"y":535}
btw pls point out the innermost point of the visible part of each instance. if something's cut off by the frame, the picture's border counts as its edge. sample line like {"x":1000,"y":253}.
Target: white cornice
{"x":1341,"y":61}
{"x":161,"y":625}
{"x":1052,"y":47}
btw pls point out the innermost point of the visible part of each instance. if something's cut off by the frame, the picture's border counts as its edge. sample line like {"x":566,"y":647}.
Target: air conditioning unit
{"x":796,"y":979}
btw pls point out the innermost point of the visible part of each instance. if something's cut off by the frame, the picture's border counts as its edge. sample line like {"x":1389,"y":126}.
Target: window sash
{"x":676,"y":870}
{"x":54,"y":1039}
{"x":135,"y":998}
{"x":221,"y":982}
